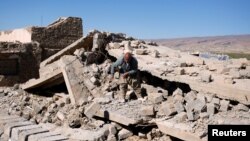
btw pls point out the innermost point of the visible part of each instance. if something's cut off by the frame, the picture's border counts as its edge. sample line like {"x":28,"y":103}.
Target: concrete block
{"x":179,"y":107}
{"x":179,"y":71}
{"x":178,"y":98}
{"x":23,"y":134}
{"x":92,"y":109}
{"x":178,"y":91}
{"x":181,"y":117}
{"x":35,"y":137}
{"x":8,"y":127}
{"x":141,"y":51}
{"x":110,"y":95}
{"x":147,"y":111}
{"x":204,"y":115}
{"x":211,"y":108}
{"x":224,"y":104}
{"x":167,"y":109}
{"x":155,"y":97}
{"x":124,"y":133}
{"x":112,"y":129}
{"x":193,"y":115}
{"x":54,"y":138}
{"x":206,"y":77}
{"x":241,"y":107}
{"x":190,"y":97}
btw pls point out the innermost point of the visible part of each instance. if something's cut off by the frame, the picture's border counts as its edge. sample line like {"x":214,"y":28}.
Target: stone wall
{"x":19,"y":62}
{"x":57,"y":35}
{"x":52,"y":38}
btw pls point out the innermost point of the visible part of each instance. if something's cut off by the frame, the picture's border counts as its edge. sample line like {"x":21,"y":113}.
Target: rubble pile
{"x":181,"y":94}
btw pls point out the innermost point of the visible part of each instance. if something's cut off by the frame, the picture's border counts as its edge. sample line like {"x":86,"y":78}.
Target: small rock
{"x":147,"y":110}
{"x":124,"y":133}
{"x":60,"y":116}
{"x":224,"y":104}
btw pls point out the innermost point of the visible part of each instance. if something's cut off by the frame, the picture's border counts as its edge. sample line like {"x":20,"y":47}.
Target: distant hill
{"x":219,"y":44}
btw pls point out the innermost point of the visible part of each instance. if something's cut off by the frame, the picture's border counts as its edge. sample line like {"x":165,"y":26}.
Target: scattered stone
{"x":234,"y":73}
{"x":112,"y":129}
{"x":192,"y":116}
{"x":155,"y":97}
{"x":167,"y":109}
{"x":110,"y":95}
{"x":179,"y":71}
{"x":179,"y":107}
{"x":141,"y":51}
{"x":92,"y":109}
{"x":206,"y":77}
{"x":147,"y":111}
{"x":102,"y":100}
{"x":190,"y":97}
{"x":124,"y":133}
{"x":74,"y":122}
{"x":210,"y":109}
{"x":204,"y":115}
{"x":164,"y":92}
{"x":60,"y":116}
{"x":181,"y":117}
{"x":178,"y":91}
{"x":111,"y":137}
{"x":224,"y":104}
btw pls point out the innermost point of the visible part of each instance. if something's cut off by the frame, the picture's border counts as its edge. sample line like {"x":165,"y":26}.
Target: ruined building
{"x":22,"y":50}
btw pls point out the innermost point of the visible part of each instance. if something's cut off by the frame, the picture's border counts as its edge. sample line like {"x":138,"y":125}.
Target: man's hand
{"x":125,"y":75}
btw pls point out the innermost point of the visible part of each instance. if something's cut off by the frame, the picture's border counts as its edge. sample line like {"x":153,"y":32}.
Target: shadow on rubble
{"x":171,"y":86}
{"x":50,"y":91}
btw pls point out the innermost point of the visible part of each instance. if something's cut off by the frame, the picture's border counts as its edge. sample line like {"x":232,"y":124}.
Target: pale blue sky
{"x":147,"y":19}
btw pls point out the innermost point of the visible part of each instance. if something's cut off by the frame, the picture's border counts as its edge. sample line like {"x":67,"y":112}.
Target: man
{"x":127,"y":67}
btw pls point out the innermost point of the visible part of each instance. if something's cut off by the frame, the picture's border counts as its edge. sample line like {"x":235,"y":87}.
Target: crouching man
{"x":127,"y":68}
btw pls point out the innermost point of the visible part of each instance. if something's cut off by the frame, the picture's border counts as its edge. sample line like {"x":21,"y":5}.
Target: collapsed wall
{"x":22,"y":50}
{"x":52,"y":38}
{"x":19,"y":62}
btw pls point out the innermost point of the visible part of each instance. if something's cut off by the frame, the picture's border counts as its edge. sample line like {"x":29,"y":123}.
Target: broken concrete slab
{"x":224,"y":105}
{"x":73,"y":74}
{"x":169,"y":129}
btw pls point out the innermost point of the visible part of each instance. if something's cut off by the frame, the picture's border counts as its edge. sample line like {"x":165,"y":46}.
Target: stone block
{"x":112,"y":129}
{"x":224,"y":104}
{"x":204,"y":115}
{"x":181,"y":117}
{"x":179,"y":71}
{"x":190,"y":97}
{"x":167,"y":109}
{"x":179,"y":107}
{"x":193,"y":115}
{"x":60,"y":116}
{"x":124,"y":133}
{"x":141,"y":51}
{"x":155,"y":97}
{"x":92,"y":109}
{"x":178,"y":91}
{"x":206,"y":77}
{"x":147,"y":111}
{"x":211,"y":108}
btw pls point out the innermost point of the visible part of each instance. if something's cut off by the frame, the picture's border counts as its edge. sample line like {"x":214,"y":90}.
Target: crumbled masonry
{"x":69,"y":95}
